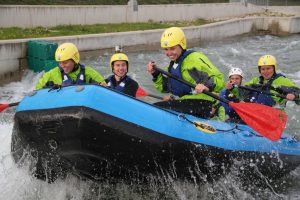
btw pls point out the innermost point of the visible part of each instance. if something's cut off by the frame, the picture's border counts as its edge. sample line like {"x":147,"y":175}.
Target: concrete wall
{"x":49,"y":16}
{"x":290,"y":10}
{"x":13,"y":52}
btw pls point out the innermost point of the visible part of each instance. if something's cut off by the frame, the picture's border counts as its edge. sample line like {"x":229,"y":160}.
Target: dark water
{"x":243,"y":52}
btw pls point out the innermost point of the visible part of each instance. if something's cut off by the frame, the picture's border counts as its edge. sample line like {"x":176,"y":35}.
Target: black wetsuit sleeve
{"x":131,"y":88}
{"x":203,"y":78}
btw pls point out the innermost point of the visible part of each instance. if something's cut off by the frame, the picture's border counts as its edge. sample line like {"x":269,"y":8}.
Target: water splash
{"x":17,"y":182}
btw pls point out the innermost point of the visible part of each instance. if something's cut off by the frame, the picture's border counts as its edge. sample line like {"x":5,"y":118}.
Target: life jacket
{"x":174,"y":86}
{"x":265,"y":99}
{"x":120,"y":86}
{"x":66,"y":80}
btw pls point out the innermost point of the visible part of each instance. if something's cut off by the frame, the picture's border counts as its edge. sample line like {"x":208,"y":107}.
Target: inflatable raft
{"x":96,"y":132}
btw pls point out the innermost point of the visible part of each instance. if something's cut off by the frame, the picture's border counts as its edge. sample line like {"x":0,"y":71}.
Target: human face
{"x":173,"y":52}
{"x":120,"y":68}
{"x":267,"y":71}
{"x":67,"y":65}
{"x":235,"y":79}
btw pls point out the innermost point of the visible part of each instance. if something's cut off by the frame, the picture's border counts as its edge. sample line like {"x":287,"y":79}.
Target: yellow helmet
{"x":118,"y":56}
{"x":173,"y":36}
{"x":267,"y":60}
{"x":67,"y":51}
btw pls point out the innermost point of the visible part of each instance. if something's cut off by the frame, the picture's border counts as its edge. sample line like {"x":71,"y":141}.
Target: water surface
{"x":17,"y":183}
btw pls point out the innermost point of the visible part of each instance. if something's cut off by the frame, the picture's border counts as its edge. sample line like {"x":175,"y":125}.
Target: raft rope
{"x":236,"y":127}
{"x":204,"y":126}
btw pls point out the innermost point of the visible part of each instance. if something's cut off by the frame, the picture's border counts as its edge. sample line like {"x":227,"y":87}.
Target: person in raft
{"x":191,"y":66}
{"x":233,"y":93}
{"x":272,"y":82}
{"x":69,"y":71}
{"x":119,"y":80}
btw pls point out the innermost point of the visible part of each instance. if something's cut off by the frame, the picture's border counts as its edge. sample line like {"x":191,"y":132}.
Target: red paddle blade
{"x":3,"y":107}
{"x":266,"y":120}
{"x":141,"y":93}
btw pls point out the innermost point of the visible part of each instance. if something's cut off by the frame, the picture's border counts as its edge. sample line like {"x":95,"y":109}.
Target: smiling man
{"x":191,"y":66}
{"x":120,"y":81}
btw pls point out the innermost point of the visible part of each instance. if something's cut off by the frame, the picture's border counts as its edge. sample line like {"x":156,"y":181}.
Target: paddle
{"x":263,"y":92}
{"x":4,"y":106}
{"x":266,"y":120}
{"x":142,"y":93}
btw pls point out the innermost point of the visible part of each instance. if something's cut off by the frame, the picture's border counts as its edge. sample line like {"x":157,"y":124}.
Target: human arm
{"x":198,"y":69}
{"x":281,"y":90}
{"x":221,"y":114}
{"x":288,"y":88}
{"x":53,"y":76}
{"x":225,"y":94}
{"x":160,"y":82}
{"x":131,"y":88}
{"x":218,"y":112}
{"x":93,"y":76}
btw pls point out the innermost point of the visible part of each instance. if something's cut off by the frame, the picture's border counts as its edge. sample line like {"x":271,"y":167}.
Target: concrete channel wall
{"x":13,"y":52}
{"x":49,"y":16}
{"x":289,"y":10}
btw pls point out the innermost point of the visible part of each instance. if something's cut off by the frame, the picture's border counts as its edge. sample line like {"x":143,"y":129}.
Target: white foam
{"x":16,"y":183}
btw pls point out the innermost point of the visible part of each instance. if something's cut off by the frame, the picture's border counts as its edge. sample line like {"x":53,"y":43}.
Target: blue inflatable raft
{"x":97,"y":132}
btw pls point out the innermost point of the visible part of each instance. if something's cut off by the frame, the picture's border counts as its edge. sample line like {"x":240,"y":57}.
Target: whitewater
{"x":243,"y":52}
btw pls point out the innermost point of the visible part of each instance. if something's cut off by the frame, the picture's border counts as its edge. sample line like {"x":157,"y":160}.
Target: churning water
{"x":17,"y":183}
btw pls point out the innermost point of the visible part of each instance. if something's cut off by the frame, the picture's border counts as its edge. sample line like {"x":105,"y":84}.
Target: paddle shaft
{"x":192,"y":85}
{"x":264,"y":92}
{"x":13,"y":104}
{"x":142,"y":93}
{"x":155,"y":96}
